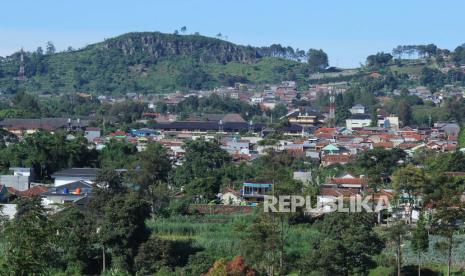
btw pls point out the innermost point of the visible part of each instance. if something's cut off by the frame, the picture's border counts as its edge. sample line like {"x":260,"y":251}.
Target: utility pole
{"x":103,"y":258}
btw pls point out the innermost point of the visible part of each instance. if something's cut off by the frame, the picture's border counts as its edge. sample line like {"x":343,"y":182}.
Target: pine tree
{"x":420,"y":240}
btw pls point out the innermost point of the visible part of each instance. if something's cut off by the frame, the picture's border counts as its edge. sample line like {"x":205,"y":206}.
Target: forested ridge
{"x":151,"y":62}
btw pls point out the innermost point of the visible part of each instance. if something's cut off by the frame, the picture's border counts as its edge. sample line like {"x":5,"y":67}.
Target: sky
{"x":348,"y":30}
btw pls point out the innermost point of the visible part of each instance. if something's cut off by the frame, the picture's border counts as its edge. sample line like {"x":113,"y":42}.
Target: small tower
{"x":220,"y":126}
{"x":21,"y":76}
{"x":332,"y":104}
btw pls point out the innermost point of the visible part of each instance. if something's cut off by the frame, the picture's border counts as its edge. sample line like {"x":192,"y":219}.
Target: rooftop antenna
{"x":21,"y":76}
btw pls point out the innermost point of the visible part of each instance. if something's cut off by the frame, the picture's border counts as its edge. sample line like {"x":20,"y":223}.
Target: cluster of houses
{"x":303,"y":137}
{"x":71,"y":186}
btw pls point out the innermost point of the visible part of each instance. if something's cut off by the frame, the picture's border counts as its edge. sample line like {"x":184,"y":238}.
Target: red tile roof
{"x":344,"y":180}
{"x":387,"y":145}
{"x":336,"y":158}
{"x":335,"y":192}
{"x":34,"y":191}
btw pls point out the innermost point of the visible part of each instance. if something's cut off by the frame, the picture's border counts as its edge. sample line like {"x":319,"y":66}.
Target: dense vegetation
{"x":156,"y":62}
{"x":141,"y":223}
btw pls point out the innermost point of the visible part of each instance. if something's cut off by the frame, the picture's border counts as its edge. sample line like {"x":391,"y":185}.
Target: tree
{"x":123,"y":229}
{"x":50,"y":48}
{"x":432,"y":77}
{"x":261,"y":244}
{"x":234,"y":267}
{"x":395,"y":235}
{"x":152,"y":165}
{"x":405,"y":113}
{"x":410,"y":180}
{"x":117,"y":154}
{"x":72,"y":242}
{"x":152,"y":255}
{"x":27,"y":239}
{"x":445,"y":195}
{"x":420,"y":240}
{"x":378,"y":163}
{"x":202,"y":159}
{"x":183,"y":29}
{"x":345,"y":246}
{"x":47,"y":153}
{"x":317,"y":59}
{"x":379,"y":60}
{"x":204,"y":187}
{"x":446,"y":225}
{"x":279,"y":111}
{"x":374,"y":118}
{"x":200,"y":263}
{"x":111,"y":182}
{"x":39,"y":51}
{"x":459,"y":54}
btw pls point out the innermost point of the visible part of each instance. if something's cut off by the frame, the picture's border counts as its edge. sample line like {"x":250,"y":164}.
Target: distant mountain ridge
{"x":152,"y":62}
{"x":158,"y":45}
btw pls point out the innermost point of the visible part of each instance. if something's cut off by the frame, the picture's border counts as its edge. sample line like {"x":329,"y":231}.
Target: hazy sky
{"x":348,"y":30}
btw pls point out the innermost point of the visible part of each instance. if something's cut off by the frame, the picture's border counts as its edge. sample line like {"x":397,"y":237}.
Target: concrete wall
{"x":8,"y":210}
{"x":19,"y":182}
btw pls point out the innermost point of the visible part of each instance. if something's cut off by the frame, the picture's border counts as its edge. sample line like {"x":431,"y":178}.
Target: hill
{"x":152,"y":62}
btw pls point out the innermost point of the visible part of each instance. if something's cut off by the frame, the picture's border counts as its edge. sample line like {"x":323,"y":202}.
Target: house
{"x":213,"y":117}
{"x":234,"y":145}
{"x":255,"y":191}
{"x":450,"y":129}
{"x":313,"y":154}
{"x":304,"y":177}
{"x":358,"y":121}
{"x":331,"y":149}
{"x":357,"y":109}
{"x":304,"y":118}
{"x":207,"y":126}
{"x":67,"y":193}
{"x":295,"y":150}
{"x":20,"y":180}
{"x":75,"y":174}
{"x":33,"y":191}
{"x":330,"y":194}
{"x":347,"y":181}
{"x":143,"y":132}
{"x":256,"y":100}
{"x":390,"y":122}
{"x":23,"y":126}
{"x":231,"y":197}
{"x":332,"y":159}
{"x":92,"y":133}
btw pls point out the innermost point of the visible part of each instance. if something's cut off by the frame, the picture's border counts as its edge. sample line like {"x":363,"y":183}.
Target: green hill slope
{"x":152,"y":63}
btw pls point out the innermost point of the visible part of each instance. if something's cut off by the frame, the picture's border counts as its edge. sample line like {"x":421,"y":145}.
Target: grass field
{"x":221,"y":235}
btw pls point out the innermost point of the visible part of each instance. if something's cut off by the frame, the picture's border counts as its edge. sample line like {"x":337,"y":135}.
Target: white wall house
{"x":357,"y":109}
{"x":391,"y":122}
{"x":231,"y":197}
{"x":75,"y":174}
{"x":358,"y":121}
